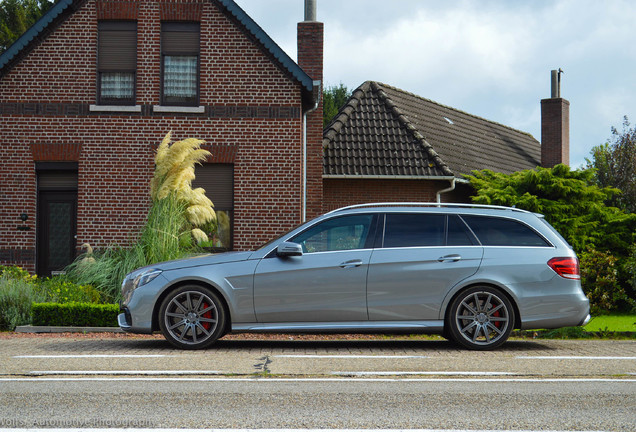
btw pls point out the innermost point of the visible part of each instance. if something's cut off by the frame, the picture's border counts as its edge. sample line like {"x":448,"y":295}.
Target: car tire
{"x":192,"y":317}
{"x":481,"y":318}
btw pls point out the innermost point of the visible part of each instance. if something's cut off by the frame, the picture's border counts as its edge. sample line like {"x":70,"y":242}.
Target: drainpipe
{"x":312,"y":109}
{"x":449,"y":189}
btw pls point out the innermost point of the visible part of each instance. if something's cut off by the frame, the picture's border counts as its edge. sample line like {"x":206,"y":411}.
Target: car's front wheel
{"x":481,"y":318}
{"x":192,"y":317}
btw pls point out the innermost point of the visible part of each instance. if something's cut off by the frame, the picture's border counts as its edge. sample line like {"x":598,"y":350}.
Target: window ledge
{"x":178,"y":109}
{"x":115,"y":108}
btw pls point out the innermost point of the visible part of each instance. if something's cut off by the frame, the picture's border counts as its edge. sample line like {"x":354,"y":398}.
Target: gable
{"x":368,"y":138}
{"x":253,"y":46}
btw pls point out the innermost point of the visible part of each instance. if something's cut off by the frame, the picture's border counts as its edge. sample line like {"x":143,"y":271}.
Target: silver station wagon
{"x":472,"y":273}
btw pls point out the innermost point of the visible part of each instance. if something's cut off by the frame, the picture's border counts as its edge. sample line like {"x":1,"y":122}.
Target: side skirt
{"x":433,"y":326}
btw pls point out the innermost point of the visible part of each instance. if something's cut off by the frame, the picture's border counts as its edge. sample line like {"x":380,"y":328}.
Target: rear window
{"x":493,"y":231}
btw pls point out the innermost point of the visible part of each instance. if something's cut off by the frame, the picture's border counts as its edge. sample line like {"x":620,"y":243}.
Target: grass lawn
{"x":614,"y":323}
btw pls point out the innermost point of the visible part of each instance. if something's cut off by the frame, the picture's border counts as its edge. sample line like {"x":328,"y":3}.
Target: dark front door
{"x":57,"y":212}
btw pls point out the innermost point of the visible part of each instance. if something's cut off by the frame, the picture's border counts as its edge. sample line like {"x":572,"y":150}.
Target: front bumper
{"x":123,"y":319}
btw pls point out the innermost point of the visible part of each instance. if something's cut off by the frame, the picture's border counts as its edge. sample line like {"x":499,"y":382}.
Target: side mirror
{"x":288,"y":249}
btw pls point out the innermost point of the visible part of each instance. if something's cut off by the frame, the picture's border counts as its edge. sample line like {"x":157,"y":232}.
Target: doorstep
{"x":62,"y":329}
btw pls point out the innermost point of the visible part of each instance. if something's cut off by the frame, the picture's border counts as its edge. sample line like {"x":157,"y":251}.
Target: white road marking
{"x":340,"y":379}
{"x":575,"y":358}
{"x":440,"y":373}
{"x":349,"y":356}
{"x":93,"y":356}
{"x":274,"y":430}
{"x":128,"y":372}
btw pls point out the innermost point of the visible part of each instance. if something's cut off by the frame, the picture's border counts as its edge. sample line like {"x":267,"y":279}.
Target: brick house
{"x":386,"y":144}
{"x":89,"y":91}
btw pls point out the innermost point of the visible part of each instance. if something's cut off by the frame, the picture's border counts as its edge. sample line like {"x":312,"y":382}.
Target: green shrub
{"x":630,"y":270}
{"x":14,"y":272}
{"x":599,"y":277}
{"x":60,"y":289}
{"x":75,"y":314}
{"x":16,"y":297}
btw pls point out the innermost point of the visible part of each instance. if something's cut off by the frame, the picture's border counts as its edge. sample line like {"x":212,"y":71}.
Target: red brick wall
{"x":252,"y":108}
{"x":344,"y":192}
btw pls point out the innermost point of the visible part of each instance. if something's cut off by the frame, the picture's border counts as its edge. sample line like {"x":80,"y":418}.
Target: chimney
{"x":310,"y":59}
{"x":555,"y":126}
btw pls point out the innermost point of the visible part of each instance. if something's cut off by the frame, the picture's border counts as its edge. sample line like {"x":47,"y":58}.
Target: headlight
{"x":145,"y":277}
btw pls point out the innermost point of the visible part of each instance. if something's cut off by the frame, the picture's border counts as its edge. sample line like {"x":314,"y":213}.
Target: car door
{"x":422,"y":256}
{"x":326,"y":283}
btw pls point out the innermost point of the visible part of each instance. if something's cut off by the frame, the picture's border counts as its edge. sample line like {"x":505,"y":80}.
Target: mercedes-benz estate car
{"x":471,"y":273}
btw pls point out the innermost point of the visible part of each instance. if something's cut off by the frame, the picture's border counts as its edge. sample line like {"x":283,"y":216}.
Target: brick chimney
{"x":310,"y":59}
{"x":555,"y":126}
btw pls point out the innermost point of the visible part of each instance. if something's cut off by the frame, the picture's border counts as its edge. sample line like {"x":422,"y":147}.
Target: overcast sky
{"x":490,"y":58}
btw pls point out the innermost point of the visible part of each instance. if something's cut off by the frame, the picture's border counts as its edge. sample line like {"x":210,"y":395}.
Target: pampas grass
{"x":174,"y":172}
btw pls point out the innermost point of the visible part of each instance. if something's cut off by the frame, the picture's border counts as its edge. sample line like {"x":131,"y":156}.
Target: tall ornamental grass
{"x":172,"y":229}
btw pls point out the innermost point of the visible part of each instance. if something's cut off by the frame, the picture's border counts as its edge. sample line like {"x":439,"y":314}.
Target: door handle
{"x":351,"y":264}
{"x":453,"y":258}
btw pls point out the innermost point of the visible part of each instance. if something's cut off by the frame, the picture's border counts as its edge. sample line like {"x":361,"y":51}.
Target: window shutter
{"x":218,"y":182}
{"x":117,"y":49}
{"x":57,"y":180}
{"x":180,"y":38}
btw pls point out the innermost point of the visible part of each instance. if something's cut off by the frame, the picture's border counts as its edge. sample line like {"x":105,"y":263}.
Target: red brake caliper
{"x":497,"y":314}
{"x":208,"y":314}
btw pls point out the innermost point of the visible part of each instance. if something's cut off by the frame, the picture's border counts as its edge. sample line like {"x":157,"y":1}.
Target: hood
{"x":200,"y":260}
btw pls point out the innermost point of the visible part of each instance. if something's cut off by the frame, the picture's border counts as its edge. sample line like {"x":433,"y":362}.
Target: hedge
{"x":75,"y":314}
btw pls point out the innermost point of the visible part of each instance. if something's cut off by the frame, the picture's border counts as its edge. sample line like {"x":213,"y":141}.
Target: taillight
{"x":567,"y":267}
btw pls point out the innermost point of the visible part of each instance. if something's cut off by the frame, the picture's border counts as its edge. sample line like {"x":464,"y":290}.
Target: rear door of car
{"x":420,"y":257}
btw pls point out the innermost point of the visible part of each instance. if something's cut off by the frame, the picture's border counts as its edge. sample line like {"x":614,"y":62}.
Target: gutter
{"x":439,"y":193}
{"x":386,"y":177}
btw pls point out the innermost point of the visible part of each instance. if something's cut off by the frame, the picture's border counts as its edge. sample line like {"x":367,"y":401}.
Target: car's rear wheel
{"x":192,"y":317}
{"x":481,"y":318}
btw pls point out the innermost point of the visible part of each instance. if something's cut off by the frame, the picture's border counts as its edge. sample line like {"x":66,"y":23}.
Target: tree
{"x":334,"y":98}
{"x":570,"y":201}
{"x":16,"y":16}
{"x":575,"y":205}
{"x":615,"y":165}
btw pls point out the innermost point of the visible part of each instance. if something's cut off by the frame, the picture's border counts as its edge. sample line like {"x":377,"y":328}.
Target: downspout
{"x":309,"y":111}
{"x":449,"y":189}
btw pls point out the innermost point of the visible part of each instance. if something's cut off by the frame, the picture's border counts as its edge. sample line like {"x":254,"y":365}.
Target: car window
{"x":458,"y":233}
{"x":411,"y":230}
{"x":341,"y":233}
{"x":492,"y":231}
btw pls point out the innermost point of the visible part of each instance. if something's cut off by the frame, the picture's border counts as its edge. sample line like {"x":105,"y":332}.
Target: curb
{"x":56,"y":329}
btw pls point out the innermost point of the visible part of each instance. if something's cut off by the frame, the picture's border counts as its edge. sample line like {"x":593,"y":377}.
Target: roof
{"x":54,"y":16}
{"x":386,"y":132}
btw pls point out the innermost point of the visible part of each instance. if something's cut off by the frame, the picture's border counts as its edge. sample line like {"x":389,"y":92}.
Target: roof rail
{"x":431,"y":204}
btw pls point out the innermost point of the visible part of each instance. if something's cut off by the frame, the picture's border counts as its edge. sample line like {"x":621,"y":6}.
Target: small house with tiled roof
{"x":387,"y":144}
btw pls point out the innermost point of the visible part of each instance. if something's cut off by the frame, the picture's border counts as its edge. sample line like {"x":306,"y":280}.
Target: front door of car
{"x":326,"y":283}
{"x":421,"y":258}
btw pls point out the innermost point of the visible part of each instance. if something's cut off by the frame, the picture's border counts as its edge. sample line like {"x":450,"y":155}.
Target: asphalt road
{"x":388,"y":384}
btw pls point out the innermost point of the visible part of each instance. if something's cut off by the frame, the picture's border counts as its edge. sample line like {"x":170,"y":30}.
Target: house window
{"x":218,"y":182}
{"x":180,"y":63}
{"x":116,"y":62}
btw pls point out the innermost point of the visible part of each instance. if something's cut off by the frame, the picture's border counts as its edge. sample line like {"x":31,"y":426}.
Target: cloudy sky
{"x":490,"y":58}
